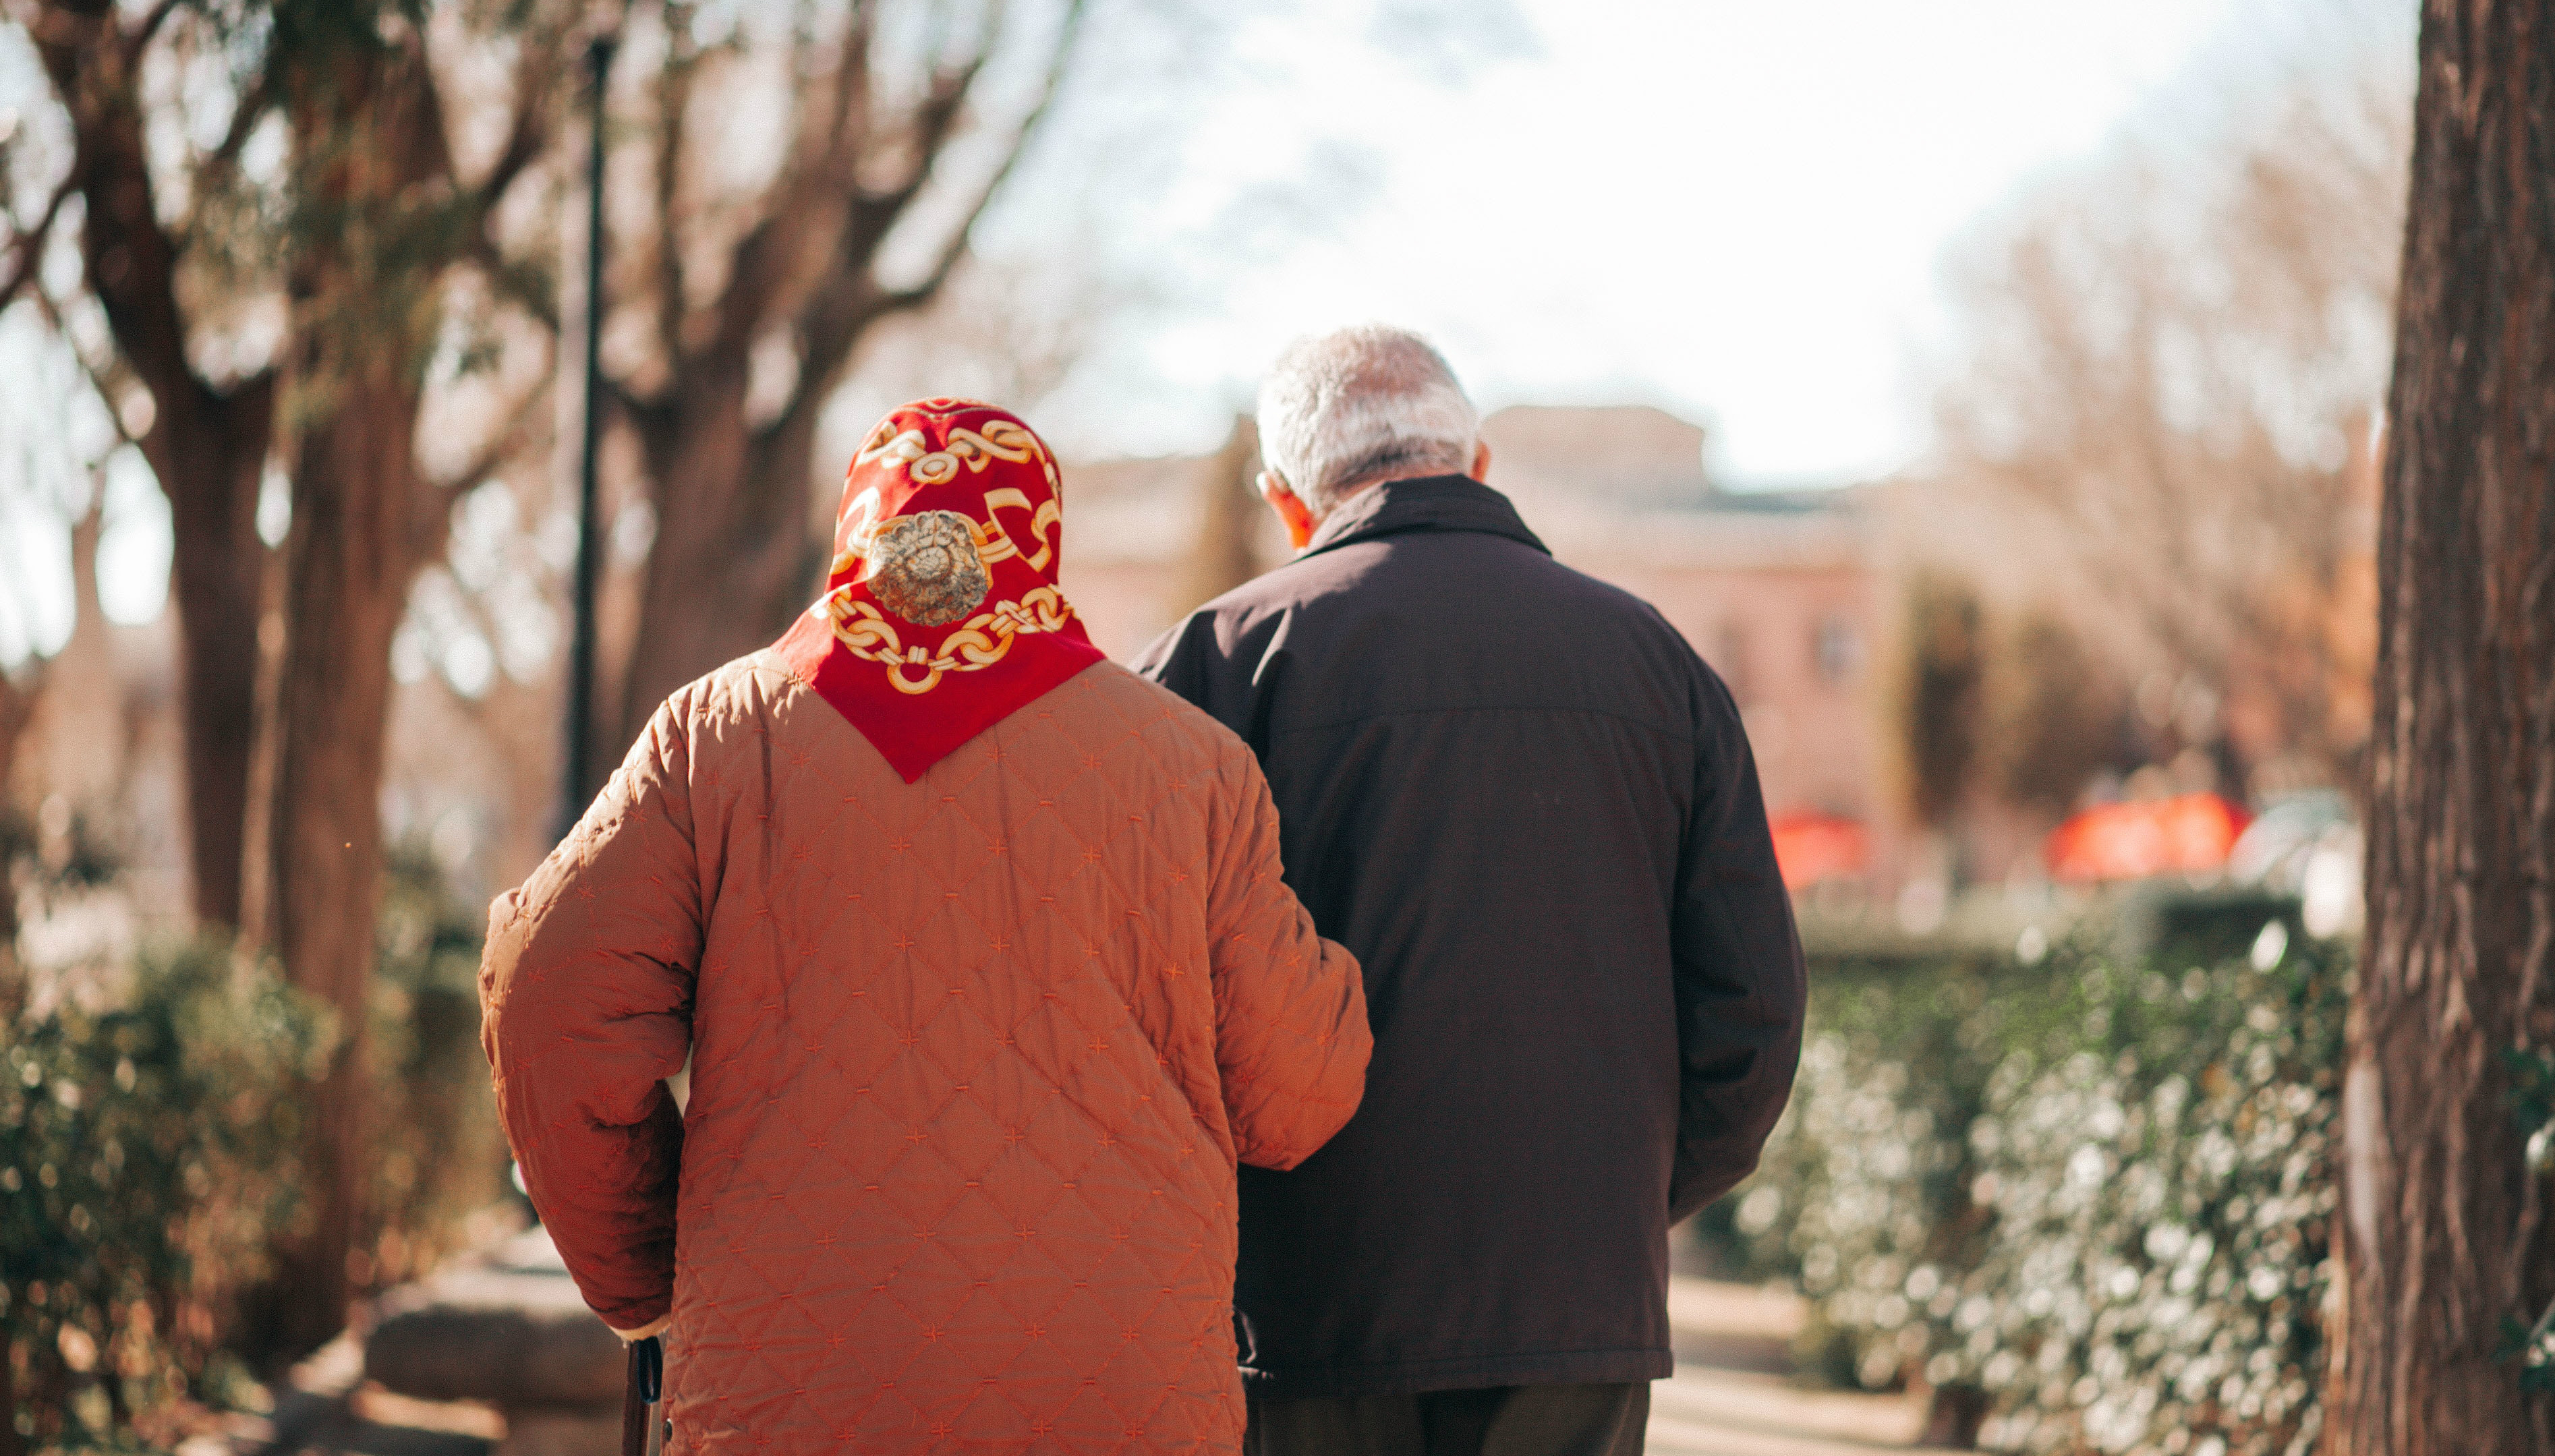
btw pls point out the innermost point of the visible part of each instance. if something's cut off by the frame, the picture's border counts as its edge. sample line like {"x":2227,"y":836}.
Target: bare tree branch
{"x":515,"y":281}
{"x":527,"y":134}
{"x":847,"y":126}
{"x":935,"y":118}
{"x":111,"y":377}
{"x":27,"y":249}
{"x":95,"y":77}
{"x":674,"y":107}
{"x":143,"y":35}
{"x":782,"y":256}
{"x":515,"y":428}
{"x":758,"y":273}
{"x":2142,"y":403}
{"x":836,"y":315}
{"x":956,"y":247}
{"x":252,"y":108}
{"x":834,"y":318}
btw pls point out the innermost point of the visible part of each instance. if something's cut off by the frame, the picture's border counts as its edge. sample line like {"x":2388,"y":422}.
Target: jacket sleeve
{"x":1292,"y":1037}
{"x":585,"y":1009}
{"x":1741,"y":984}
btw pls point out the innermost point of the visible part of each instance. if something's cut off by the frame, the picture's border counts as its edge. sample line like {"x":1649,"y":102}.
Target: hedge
{"x":2093,"y":1194}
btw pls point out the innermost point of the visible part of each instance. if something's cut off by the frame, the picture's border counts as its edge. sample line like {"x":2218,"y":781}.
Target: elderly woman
{"x":980,"y":950}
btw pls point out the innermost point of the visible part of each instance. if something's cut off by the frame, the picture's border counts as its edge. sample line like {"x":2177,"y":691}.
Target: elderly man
{"x":1517,"y":796}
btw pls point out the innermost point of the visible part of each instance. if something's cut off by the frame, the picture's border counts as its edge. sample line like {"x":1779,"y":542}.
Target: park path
{"x":1732,"y":1393}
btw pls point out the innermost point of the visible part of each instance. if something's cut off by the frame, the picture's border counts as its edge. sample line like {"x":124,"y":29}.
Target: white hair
{"x":1350,"y":408}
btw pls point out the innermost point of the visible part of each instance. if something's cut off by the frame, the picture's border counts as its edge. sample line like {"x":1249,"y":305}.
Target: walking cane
{"x":643,"y":1421}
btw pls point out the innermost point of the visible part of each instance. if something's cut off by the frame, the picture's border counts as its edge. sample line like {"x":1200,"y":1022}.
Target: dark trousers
{"x":1505,"y":1420}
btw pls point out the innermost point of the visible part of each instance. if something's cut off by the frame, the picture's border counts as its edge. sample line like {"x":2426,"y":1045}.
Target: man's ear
{"x":1291,"y":508}
{"x":1481,"y":470}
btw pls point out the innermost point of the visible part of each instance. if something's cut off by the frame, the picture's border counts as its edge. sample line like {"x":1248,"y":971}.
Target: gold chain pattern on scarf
{"x":983,"y":641}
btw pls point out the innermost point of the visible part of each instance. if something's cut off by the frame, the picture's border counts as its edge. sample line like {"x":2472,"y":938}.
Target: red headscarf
{"x":941,"y":616}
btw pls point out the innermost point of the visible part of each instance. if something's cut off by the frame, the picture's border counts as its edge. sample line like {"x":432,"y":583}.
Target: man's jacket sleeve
{"x":1186,"y":660}
{"x":1740,"y":979}
{"x":585,"y":1009}
{"x":1291,"y":1032}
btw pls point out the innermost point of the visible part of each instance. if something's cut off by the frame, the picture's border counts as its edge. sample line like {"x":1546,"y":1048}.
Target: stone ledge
{"x":510,"y":1331}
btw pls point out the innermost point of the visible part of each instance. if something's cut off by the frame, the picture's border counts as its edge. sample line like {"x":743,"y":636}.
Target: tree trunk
{"x":1228,"y":520}
{"x":207,"y":445}
{"x":353,"y":495}
{"x":364,"y":518}
{"x":211,"y":466}
{"x":20,"y":698}
{"x":736,"y":554}
{"x":2448,"y":1243}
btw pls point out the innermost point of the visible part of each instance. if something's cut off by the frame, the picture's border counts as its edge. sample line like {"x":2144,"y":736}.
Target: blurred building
{"x":1780,"y":591}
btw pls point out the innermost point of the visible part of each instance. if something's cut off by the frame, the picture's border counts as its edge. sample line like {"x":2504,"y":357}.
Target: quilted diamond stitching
{"x":974,"y":1059}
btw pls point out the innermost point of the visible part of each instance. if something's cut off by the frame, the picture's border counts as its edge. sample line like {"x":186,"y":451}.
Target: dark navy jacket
{"x":1529,"y":809}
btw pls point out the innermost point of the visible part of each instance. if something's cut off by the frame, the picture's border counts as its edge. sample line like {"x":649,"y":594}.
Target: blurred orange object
{"x":1813,"y":846}
{"x":2188,"y":834}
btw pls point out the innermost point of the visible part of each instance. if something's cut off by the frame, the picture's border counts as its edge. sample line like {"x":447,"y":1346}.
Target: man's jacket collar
{"x":1429,"y":503}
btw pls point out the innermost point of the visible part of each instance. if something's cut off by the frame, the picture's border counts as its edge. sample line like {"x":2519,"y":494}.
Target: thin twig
{"x":956,"y":247}
{"x":143,"y":35}
{"x":834,"y":318}
{"x":109,"y":379}
{"x":433,"y":523}
{"x":850,"y":98}
{"x":502,"y":445}
{"x":27,"y":249}
{"x":528,"y":136}
{"x":507,"y":280}
{"x":251,"y":107}
{"x":674,"y":105}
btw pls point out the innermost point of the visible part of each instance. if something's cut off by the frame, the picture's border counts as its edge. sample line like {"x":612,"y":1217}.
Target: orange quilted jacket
{"x":973,"y":1061}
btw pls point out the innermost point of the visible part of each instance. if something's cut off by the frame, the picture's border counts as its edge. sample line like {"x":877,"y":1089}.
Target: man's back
{"x":1526,"y":807}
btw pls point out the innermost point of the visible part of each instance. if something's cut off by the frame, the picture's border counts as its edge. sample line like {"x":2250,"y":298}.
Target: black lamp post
{"x":578,"y":775}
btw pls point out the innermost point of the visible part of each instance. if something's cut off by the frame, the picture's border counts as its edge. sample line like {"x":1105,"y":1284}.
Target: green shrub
{"x":1867,"y":1180}
{"x":147,"y":1154}
{"x":438,"y":1150}
{"x":2095,"y":1191}
{"x":2157,"y":1268}
{"x":145,"y":1151}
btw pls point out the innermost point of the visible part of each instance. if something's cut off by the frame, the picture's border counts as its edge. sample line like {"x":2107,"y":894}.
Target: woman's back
{"x":974,"y":1057}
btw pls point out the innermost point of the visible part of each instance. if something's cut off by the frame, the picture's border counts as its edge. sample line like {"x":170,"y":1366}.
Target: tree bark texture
{"x":733,"y":560}
{"x":207,"y":443}
{"x":366,"y":296}
{"x":351,"y":566}
{"x":211,"y":470}
{"x":2449,"y":1243}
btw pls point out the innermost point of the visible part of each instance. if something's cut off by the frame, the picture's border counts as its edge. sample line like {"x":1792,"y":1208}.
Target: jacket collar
{"x":1429,"y":503}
